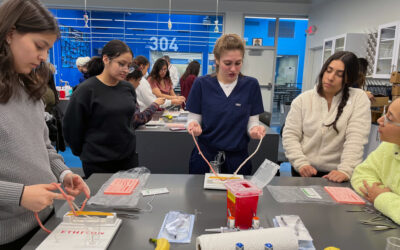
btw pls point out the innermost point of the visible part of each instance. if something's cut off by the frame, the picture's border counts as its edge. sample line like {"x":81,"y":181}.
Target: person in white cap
{"x":81,"y":64}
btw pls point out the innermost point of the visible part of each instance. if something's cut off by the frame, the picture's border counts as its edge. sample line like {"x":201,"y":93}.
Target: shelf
{"x":389,"y":28}
{"x":257,"y":47}
{"x":385,"y":58}
{"x":387,"y":40}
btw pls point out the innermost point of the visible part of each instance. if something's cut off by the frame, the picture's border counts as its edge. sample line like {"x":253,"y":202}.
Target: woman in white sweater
{"x":327,"y":127}
{"x":144,"y":93}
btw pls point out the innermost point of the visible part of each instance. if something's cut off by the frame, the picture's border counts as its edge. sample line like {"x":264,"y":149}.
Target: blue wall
{"x":143,"y":32}
{"x":265,"y":28}
{"x":295,"y":46}
{"x":258,"y":28}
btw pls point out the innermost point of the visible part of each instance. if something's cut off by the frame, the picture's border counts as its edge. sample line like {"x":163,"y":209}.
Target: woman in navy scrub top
{"x":224,"y":109}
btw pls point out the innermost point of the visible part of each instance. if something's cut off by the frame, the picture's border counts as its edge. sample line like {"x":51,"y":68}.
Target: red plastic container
{"x":62,"y":93}
{"x":242,"y":201}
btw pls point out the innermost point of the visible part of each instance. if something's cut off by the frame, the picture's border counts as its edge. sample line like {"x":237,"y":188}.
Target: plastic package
{"x":121,"y":201}
{"x":300,"y":194}
{"x":264,"y":173}
{"x":177,"y":227}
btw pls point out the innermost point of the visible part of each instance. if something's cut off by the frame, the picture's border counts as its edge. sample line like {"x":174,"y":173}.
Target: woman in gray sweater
{"x":28,"y":162}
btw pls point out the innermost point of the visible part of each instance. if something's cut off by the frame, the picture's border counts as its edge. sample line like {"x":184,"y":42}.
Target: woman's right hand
{"x":307,"y":171}
{"x":195,"y":128}
{"x":160,"y":101}
{"x":38,"y":197}
{"x":177,"y":101}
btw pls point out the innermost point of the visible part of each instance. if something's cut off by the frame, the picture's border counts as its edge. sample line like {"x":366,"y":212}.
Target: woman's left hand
{"x":336,"y":176}
{"x":257,"y":132}
{"x":371,"y":192}
{"x":74,"y":185}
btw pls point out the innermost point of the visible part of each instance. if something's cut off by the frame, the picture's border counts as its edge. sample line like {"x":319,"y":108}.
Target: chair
{"x":265,"y":118}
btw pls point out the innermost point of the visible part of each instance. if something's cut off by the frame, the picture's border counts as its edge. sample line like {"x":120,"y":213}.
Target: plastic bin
{"x":242,"y":201}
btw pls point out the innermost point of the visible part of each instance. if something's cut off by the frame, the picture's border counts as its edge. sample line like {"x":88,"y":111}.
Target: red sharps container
{"x":242,"y":201}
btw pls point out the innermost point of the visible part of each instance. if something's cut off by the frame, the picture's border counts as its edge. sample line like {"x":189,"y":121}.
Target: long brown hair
{"x":23,"y":16}
{"x":192,"y":69}
{"x":157,"y":67}
{"x":350,"y":77}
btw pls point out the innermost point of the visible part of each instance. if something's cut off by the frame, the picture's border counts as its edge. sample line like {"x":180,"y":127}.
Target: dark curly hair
{"x":155,"y":71}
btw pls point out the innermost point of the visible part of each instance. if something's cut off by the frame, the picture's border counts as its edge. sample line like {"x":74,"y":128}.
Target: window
{"x":286,"y":29}
{"x":258,"y":31}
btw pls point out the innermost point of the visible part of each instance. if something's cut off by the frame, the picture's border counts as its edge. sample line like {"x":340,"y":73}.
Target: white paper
{"x":154,"y":191}
{"x":311,"y":193}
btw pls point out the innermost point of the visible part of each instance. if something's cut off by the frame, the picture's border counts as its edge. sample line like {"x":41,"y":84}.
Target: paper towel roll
{"x":282,"y":238}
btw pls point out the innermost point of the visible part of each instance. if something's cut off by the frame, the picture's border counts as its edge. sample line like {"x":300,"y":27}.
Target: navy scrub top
{"x":225,"y":119}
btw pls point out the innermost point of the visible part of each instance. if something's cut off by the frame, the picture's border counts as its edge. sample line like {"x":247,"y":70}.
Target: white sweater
{"x":145,"y":96}
{"x":307,"y":141}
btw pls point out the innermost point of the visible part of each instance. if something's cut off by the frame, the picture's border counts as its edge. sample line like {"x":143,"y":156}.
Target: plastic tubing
{"x":240,"y":166}
{"x":58,"y":185}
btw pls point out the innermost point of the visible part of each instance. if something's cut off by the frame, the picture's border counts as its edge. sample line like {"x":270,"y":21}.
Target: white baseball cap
{"x":82,"y":61}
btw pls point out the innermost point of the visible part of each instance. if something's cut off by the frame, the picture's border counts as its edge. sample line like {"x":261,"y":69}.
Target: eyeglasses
{"x":387,"y":120}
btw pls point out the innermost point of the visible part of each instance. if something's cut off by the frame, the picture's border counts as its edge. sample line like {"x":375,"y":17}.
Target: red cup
{"x":62,"y":93}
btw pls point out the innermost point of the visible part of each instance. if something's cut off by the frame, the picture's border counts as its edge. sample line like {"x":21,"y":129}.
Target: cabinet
{"x":354,"y":42}
{"x":387,"y":50}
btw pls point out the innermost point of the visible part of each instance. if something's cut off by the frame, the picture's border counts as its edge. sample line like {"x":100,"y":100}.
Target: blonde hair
{"x":228,"y":42}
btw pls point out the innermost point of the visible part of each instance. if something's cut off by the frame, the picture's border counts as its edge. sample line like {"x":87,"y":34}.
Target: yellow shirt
{"x":382,"y":165}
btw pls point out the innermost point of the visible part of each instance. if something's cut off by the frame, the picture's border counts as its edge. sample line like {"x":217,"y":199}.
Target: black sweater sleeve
{"x":76,"y":119}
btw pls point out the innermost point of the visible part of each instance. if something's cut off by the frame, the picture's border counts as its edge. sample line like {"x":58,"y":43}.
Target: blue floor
{"x":71,"y":160}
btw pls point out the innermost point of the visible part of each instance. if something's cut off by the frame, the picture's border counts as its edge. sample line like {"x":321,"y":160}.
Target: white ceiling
{"x":284,"y":1}
{"x":274,"y":1}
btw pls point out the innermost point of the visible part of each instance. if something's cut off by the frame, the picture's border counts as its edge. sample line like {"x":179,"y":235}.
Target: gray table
{"x":168,"y":152}
{"x":329,"y":225}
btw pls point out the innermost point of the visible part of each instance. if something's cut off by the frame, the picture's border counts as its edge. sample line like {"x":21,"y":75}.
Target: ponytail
{"x":95,"y":66}
{"x":135,"y":73}
{"x":343,"y":102}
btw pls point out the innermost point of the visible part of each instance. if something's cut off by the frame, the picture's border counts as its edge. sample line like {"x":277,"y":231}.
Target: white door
{"x":260,"y":63}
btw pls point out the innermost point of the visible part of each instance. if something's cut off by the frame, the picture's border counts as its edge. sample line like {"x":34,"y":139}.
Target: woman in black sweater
{"x":98,"y":124}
